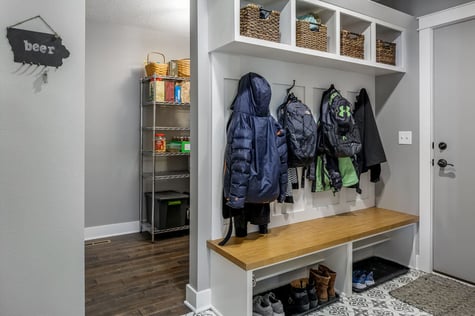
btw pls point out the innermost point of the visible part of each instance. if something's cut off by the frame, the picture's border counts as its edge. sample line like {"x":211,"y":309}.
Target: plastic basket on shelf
{"x":313,"y":39}
{"x":183,"y":66}
{"x":351,"y":44}
{"x":260,"y":23}
{"x":385,"y":52}
{"x":154,"y":68}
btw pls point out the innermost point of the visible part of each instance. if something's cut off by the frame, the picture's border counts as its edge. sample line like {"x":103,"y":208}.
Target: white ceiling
{"x":161,"y":15}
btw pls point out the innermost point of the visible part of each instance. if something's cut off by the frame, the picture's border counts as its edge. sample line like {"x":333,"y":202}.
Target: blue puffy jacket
{"x":255,"y":166}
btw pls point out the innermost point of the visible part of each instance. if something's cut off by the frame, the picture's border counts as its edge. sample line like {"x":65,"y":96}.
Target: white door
{"x":454,"y":151}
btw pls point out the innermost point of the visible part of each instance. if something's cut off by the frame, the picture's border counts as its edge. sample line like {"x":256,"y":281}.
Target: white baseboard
{"x":96,"y":232}
{"x":198,"y":301}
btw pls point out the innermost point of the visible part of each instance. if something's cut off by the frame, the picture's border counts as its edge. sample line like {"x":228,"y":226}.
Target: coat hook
{"x":291,"y":87}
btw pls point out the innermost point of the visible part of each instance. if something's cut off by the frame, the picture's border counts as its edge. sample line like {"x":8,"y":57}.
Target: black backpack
{"x":339,"y":135}
{"x":301,"y":130}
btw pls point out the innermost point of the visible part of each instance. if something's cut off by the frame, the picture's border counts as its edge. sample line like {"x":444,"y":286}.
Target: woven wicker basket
{"x":253,"y":26}
{"x":385,"y":52}
{"x":307,"y":38}
{"x":183,"y":66}
{"x":352,"y":44}
{"x":154,"y":68}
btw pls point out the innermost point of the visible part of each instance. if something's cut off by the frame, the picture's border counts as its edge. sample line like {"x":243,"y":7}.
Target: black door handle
{"x":443,"y":163}
{"x":442,"y":146}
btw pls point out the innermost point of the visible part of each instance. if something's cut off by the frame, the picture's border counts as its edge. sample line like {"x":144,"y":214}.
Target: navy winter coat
{"x":255,"y":164}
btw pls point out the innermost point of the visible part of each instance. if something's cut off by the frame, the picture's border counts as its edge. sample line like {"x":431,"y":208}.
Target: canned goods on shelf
{"x":160,"y":143}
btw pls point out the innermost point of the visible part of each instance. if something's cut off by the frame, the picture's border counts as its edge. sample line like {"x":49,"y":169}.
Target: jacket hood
{"x":253,"y":95}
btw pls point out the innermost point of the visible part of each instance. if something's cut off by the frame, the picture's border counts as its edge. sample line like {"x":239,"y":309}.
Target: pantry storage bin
{"x":260,"y":23}
{"x":170,"y":210}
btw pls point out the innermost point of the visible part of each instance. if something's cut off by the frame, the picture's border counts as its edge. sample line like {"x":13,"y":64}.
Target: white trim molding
{"x":198,"y":301}
{"x":448,"y":16}
{"x":427,"y":24}
{"x":103,"y":231}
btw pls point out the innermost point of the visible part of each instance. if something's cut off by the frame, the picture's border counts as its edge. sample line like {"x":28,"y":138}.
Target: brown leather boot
{"x":321,"y":284}
{"x":331,"y":285}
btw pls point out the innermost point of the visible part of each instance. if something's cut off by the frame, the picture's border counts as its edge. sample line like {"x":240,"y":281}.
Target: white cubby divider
{"x":224,"y":35}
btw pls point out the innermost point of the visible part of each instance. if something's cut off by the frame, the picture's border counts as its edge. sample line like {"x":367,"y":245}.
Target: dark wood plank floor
{"x":131,"y":276}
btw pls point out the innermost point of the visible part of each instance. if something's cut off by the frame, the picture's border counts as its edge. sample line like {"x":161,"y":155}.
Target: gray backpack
{"x":301,"y":130}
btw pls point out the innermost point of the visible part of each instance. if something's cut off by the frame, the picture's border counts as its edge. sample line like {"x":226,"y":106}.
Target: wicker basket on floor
{"x":351,"y":44}
{"x":252,"y":25}
{"x":183,"y":66}
{"x":313,"y":39}
{"x":385,"y":52}
{"x":154,"y":68}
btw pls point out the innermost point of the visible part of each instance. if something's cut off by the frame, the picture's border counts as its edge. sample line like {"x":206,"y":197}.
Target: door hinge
{"x":432,"y":161}
{"x":432,"y":145}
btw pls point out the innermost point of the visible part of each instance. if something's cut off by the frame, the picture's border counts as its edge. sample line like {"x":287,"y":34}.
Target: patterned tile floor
{"x":374,"y":302}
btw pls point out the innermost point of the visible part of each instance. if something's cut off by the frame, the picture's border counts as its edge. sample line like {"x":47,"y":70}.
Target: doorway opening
{"x":119,"y":140}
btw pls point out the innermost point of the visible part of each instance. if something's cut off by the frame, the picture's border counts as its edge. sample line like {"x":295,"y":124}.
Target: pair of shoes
{"x":275,"y":303}
{"x":362,"y":279}
{"x":302,"y":296}
{"x":261,"y":308}
{"x":324,"y":279}
{"x":267,"y":305}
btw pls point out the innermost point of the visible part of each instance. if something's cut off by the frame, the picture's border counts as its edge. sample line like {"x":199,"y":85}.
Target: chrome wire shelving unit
{"x":151,"y":178}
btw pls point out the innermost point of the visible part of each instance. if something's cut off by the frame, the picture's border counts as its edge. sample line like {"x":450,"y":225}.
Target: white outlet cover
{"x":405,"y":137}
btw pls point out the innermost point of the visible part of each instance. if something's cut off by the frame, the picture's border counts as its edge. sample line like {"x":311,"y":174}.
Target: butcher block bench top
{"x":298,"y":239}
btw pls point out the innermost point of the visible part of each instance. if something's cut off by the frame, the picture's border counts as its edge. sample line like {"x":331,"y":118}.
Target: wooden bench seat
{"x":298,"y":239}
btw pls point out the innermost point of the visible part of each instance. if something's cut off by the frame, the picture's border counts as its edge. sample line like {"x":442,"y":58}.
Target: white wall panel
{"x":310,"y":83}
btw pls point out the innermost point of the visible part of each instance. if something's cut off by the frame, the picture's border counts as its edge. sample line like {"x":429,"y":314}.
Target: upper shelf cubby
{"x":355,"y":37}
{"x":305,"y":32}
{"x":315,"y":27}
{"x":389,"y":44}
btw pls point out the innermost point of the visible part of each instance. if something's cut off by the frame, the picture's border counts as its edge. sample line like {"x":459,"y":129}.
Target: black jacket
{"x":372,"y":153}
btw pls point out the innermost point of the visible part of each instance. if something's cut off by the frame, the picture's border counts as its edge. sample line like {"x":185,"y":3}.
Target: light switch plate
{"x":405,"y":137}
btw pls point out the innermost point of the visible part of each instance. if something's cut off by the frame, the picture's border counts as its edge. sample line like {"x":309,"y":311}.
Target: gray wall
{"x":114,"y":63}
{"x":421,"y":7}
{"x":42,"y":169}
{"x":397,"y":109}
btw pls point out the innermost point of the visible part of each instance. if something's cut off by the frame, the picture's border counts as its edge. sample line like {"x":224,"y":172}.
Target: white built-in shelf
{"x":225,"y":36}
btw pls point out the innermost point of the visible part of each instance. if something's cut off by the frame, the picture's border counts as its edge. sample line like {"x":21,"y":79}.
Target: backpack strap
{"x":228,"y":234}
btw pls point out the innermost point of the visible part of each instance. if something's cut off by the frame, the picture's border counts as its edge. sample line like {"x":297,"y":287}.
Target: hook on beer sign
{"x":36,"y":48}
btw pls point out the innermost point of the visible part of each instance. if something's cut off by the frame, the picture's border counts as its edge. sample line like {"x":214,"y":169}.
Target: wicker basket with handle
{"x":352,"y":44}
{"x":313,"y":39}
{"x":154,"y":68}
{"x":385,"y":52}
{"x":254,"y":25}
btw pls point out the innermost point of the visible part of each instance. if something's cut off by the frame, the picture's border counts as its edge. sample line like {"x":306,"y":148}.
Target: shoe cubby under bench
{"x":252,"y":265}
